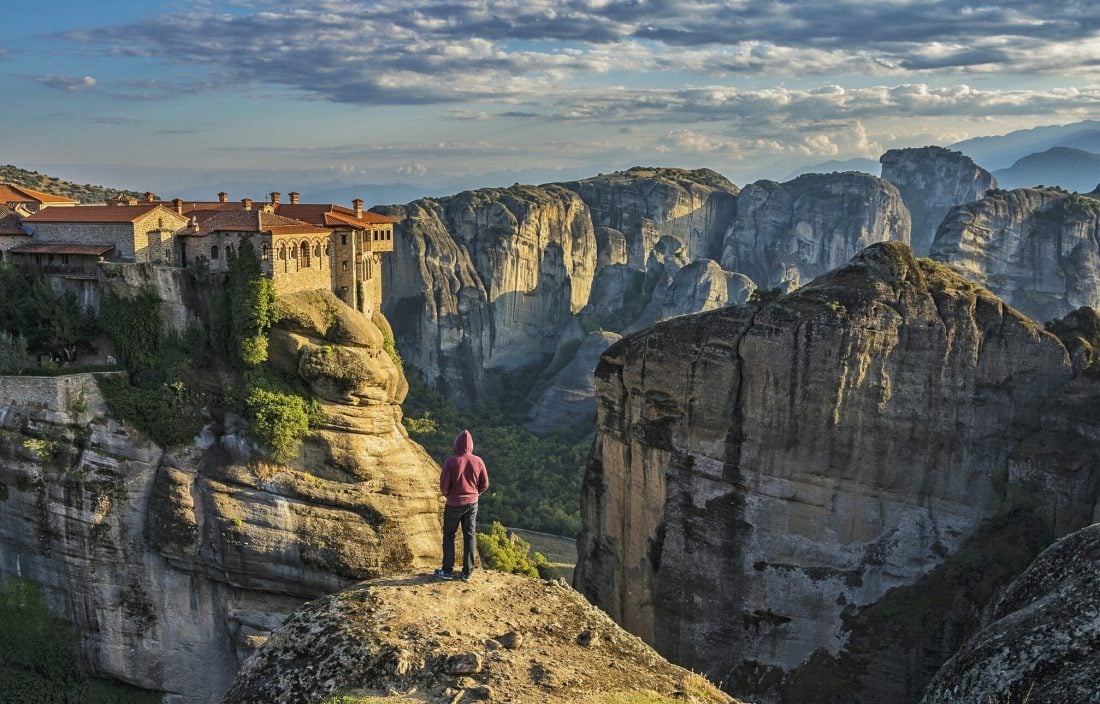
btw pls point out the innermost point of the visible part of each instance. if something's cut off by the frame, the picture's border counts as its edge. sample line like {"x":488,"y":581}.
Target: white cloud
{"x":70,"y":84}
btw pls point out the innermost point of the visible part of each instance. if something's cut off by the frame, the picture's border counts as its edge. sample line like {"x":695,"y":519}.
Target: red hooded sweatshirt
{"x":463,"y":478}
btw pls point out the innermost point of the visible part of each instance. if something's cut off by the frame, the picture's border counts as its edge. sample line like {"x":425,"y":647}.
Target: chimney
{"x":294,"y":197}
{"x":275,"y":197}
{"x":223,"y":197}
{"x":358,"y":203}
{"x":150,"y":196}
{"x":178,"y":203}
{"x":247,"y":203}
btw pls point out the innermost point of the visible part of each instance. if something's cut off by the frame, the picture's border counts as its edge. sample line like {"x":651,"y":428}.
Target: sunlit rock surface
{"x":932,"y":180}
{"x":176,"y":564}
{"x":786,"y":234}
{"x":1037,"y":248}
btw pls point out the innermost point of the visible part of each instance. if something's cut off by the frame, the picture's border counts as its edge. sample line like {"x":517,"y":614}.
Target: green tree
{"x":14,"y":358}
{"x":507,"y":552}
{"x":252,"y":307}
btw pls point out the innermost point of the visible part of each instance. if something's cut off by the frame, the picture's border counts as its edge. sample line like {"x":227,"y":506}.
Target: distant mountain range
{"x":1072,"y":169}
{"x":85,"y":193}
{"x":1003,"y":151}
{"x":325,"y":192}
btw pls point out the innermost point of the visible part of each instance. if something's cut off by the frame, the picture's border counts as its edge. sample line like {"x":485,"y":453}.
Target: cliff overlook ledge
{"x":498,"y":637}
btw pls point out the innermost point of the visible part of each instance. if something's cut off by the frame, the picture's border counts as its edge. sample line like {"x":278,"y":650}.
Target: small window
{"x":344,"y":266}
{"x":213,"y":251}
{"x":265,"y":252}
{"x":160,"y":223}
{"x":344,"y":240}
{"x":228,"y":251}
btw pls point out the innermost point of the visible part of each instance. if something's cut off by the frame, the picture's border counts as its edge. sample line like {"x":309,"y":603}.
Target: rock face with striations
{"x":932,"y":180}
{"x":762,"y":473}
{"x":786,"y":234}
{"x":1037,"y":248}
{"x":1044,"y":642}
{"x":487,"y":280}
{"x":645,"y":204}
{"x":175,"y":564}
{"x":491,"y":280}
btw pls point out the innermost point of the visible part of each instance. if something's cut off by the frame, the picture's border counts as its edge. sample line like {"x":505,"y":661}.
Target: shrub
{"x":280,"y":420}
{"x":506,"y":552}
{"x":133,"y":324}
{"x":252,"y":310}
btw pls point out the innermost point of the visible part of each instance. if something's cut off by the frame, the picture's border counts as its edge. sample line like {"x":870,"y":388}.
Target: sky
{"x":167,"y":95}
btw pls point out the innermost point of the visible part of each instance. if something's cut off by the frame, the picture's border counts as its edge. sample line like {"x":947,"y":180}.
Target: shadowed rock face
{"x":760,"y":473}
{"x":1044,"y":642}
{"x":176,"y":563}
{"x":932,"y":180}
{"x":786,"y":234}
{"x":1038,"y":249}
{"x":570,"y":397}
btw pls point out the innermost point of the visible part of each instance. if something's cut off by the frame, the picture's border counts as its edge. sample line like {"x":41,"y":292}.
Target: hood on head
{"x":464,"y":443}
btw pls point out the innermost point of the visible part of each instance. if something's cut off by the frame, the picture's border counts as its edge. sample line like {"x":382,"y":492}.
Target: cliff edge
{"x":497,"y":637}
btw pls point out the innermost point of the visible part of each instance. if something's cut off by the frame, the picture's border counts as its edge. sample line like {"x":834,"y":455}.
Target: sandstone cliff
{"x":786,"y":234}
{"x":932,"y":180}
{"x":487,"y":280}
{"x":1044,"y":644}
{"x":494,"y":280}
{"x":1037,"y":248}
{"x":175,"y":564}
{"x":645,"y":204}
{"x":761,"y":475}
{"x":496,"y":638}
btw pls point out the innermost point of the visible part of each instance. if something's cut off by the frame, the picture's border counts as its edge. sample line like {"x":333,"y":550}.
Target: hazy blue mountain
{"x":1072,"y":169}
{"x":1002,"y":151}
{"x":867,"y":166}
{"x":325,"y":192}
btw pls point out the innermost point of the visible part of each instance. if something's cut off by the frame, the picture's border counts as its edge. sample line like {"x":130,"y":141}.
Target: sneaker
{"x":465,"y":577}
{"x":444,"y":575}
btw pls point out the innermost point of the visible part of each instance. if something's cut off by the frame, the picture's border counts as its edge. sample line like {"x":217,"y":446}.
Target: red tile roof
{"x":332,"y":215}
{"x":94,"y":213}
{"x":10,"y":225}
{"x":90,"y":250}
{"x":10,"y":193}
{"x":241,"y":220}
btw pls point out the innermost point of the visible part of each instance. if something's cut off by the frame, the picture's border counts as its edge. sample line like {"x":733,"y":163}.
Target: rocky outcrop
{"x":932,"y":180}
{"x":761,"y":474}
{"x":1044,"y":642}
{"x":487,"y":280}
{"x":1038,"y":249}
{"x":175,"y":564}
{"x":496,"y":638}
{"x":645,"y":204}
{"x":786,"y":234}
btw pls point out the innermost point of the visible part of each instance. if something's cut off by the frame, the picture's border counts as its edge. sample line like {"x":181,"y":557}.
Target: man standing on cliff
{"x":462,"y":481}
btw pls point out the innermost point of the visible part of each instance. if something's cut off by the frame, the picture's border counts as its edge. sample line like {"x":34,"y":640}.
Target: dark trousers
{"x":452,"y":516}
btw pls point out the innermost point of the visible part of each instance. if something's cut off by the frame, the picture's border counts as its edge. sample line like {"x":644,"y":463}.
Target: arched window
{"x":160,"y":223}
{"x":213,"y":251}
{"x":317,"y":249}
{"x":326,"y":249}
{"x":228,"y":251}
{"x":305,"y":255}
{"x":282,"y":252}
